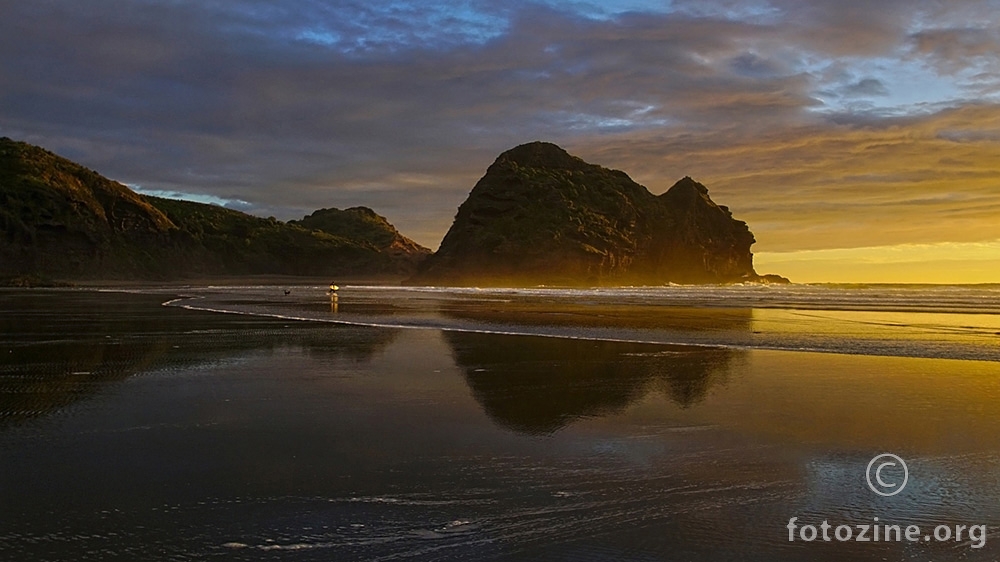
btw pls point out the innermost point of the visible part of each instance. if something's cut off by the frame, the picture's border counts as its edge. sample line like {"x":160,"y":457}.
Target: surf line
{"x":173,"y":303}
{"x":678,"y":344}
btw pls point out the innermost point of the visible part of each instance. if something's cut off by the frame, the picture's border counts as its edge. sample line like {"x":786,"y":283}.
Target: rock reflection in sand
{"x":538,"y":385}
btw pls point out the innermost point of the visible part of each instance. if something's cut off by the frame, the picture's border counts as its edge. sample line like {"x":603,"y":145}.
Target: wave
{"x":975,"y":299}
{"x":937,"y":321}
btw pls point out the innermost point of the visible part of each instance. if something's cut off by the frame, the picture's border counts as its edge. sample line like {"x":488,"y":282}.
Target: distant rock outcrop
{"x":542,"y":216}
{"x":61,"y":220}
{"x":365,"y":226}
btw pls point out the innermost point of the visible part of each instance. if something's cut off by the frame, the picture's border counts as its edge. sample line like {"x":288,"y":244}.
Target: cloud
{"x":866,"y":87}
{"x":752,"y":65}
{"x":917,"y":179}
{"x":952,"y":48}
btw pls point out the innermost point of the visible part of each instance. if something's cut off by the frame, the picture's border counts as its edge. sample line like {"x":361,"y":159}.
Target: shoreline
{"x":790,"y":329}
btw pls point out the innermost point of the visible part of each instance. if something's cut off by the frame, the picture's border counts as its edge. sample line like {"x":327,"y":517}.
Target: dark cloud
{"x":866,"y":87}
{"x":401,"y":106}
{"x":755,"y":66}
{"x":953,"y":49}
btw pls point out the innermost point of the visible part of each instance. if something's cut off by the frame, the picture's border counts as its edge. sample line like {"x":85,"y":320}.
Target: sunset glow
{"x":975,"y":262}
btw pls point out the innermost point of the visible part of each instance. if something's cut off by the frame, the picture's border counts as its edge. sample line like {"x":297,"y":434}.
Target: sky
{"x":860,"y":140}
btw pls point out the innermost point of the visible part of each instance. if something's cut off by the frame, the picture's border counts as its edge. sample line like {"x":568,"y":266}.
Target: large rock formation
{"x":61,"y":220}
{"x":542,"y":216}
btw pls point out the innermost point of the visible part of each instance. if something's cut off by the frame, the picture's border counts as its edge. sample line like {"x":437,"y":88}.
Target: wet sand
{"x":130,"y":430}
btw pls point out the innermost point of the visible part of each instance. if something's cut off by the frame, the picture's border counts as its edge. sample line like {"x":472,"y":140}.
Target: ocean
{"x":388,"y":423}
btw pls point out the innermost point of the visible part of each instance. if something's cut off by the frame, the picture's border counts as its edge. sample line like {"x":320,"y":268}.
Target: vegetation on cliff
{"x":61,"y":220}
{"x":365,"y":226}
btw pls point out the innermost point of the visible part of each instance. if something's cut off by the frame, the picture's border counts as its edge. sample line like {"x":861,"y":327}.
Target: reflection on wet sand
{"x":583,"y":314}
{"x":538,"y":385}
{"x":50,"y":361}
{"x":245,"y":437}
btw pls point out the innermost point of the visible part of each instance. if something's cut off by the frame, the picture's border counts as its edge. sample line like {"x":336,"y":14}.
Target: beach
{"x":387,"y":423}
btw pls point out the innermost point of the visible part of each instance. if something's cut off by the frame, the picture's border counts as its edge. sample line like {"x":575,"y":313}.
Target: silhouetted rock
{"x":543,"y":216}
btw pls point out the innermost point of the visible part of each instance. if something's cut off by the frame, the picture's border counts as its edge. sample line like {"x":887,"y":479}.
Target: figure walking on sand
{"x":334,"y":305}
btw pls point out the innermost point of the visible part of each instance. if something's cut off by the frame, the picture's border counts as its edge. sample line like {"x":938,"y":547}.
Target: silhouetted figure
{"x":288,"y":292}
{"x":334,"y":305}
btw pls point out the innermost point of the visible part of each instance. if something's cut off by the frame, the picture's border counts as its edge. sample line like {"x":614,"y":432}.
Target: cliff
{"x":61,"y":220}
{"x":543,"y":216}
